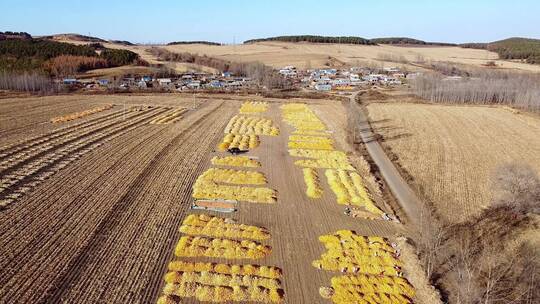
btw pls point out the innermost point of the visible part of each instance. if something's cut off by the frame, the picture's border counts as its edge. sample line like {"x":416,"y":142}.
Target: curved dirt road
{"x":406,"y":197}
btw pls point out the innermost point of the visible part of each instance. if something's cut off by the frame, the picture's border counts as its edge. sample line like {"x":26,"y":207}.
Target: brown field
{"x":319,"y":55}
{"x":450,"y":151}
{"x":99,"y":199}
{"x":279,"y":54}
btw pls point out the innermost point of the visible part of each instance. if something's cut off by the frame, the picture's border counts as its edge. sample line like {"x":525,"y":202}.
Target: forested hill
{"x":58,"y":58}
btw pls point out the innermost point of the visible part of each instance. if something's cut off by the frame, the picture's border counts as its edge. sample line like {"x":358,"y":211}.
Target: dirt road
{"x":406,"y":197}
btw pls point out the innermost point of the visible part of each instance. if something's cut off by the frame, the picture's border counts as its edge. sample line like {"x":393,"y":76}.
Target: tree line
{"x":194,"y":42}
{"x":512,"y":48}
{"x":315,"y":39}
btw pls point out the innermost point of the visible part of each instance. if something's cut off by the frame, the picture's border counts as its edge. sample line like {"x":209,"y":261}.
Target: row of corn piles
{"x":253,"y":107}
{"x":208,"y":236}
{"x":169,"y":117}
{"x":372,"y":266}
{"x":82,"y":114}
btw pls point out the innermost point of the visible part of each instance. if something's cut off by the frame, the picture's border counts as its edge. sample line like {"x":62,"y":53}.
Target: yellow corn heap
{"x":169,"y":117}
{"x":310,"y":132}
{"x":196,"y":246}
{"x":251,"y":125}
{"x":325,"y":163}
{"x":231,"y":176}
{"x":301,"y":117}
{"x":252,"y":270}
{"x":311,"y":178}
{"x":254,"y":107}
{"x":77,"y":115}
{"x":362,"y":284}
{"x":242,"y":142}
{"x":235,"y":161}
{"x":310,"y":145}
{"x":349,"y":190}
{"x":349,"y":252}
{"x":214,"y":226}
{"x":220,"y":279}
{"x":209,"y":190}
{"x":310,"y":153}
{"x":218,"y":293}
{"x":311,"y":138}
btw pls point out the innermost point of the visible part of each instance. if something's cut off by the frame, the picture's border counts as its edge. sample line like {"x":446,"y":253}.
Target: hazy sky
{"x":225,"y":21}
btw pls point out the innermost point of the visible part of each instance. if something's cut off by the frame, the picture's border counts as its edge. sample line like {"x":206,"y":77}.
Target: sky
{"x":233,"y":21}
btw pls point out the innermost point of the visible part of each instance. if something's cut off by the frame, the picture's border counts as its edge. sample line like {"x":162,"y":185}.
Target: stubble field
{"x":451,"y":151}
{"x":95,"y":189}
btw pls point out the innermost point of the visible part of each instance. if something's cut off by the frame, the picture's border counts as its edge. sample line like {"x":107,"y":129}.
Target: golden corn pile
{"x":253,"y":107}
{"x":301,"y":117}
{"x":310,"y":132}
{"x":252,"y":270}
{"x":213,"y":226}
{"x":218,"y":293}
{"x":231,"y":176}
{"x":310,"y":153}
{"x":235,"y":161}
{"x":169,"y":117}
{"x":363,"y":288}
{"x":77,"y":115}
{"x":349,"y":252}
{"x":311,"y":138}
{"x":251,"y":125}
{"x":310,"y":145}
{"x":325,"y":163}
{"x":350,"y":190}
{"x":375,"y":270}
{"x":311,"y":178}
{"x":242,"y":142}
{"x":197,"y":246}
{"x":203,"y":189}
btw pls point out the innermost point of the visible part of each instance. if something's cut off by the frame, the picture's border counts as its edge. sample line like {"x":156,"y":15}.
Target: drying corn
{"x":214,"y":226}
{"x":349,"y":190}
{"x":242,"y":142}
{"x":230,"y":176}
{"x":77,"y":115}
{"x":310,"y":145}
{"x":254,"y":107}
{"x":209,"y":190}
{"x":311,"y":178}
{"x":235,"y":161}
{"x":196,"y":246}
{"x":251,"y":125}
{"x":253,"y":270}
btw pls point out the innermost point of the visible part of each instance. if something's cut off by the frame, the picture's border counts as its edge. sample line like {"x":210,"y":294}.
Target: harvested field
{"x":114,"y":225}
{"x":450,"y":151}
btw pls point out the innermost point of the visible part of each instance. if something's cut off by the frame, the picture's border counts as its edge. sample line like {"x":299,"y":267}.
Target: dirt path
{"x":406,"y":197}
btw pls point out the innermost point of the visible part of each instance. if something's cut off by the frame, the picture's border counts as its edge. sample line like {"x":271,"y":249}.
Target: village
{"x":328,"y":79}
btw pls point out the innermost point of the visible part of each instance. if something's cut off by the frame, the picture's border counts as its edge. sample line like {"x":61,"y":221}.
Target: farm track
{"x":38,"y":161}
{"x":90,"y":215}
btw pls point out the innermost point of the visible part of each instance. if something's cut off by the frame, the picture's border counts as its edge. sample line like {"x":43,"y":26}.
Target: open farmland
{"x":113,"y":223}
{"x":451,"y":151}
{"x":316,"y":55}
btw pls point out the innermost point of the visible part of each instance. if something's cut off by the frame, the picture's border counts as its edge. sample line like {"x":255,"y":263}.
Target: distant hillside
{"x":517,"y":48}
{"x":14,"y":35}
{"x":406,"y":41}
{"x":315,"y":39}
{"x":75,"y":37}
{"x":58,"y":58}
{"x":193,"y":42}
{"x":123,"y":42}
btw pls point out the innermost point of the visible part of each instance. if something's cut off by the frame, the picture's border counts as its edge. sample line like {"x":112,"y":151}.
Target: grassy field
{"x":94,"y":204}
{"x":450,"y":151}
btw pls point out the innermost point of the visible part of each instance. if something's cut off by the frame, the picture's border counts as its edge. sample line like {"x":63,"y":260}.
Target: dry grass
{"x":450,"y":151}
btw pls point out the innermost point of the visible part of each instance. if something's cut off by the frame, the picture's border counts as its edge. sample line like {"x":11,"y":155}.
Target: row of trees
{"x":503,"y":88}
{"x":315,"y":39}
{"x":261,"y":73}
{"x":194,"y":42}
{"x":479,"y":261}
{"x":26,"y":82}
